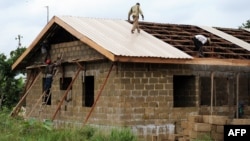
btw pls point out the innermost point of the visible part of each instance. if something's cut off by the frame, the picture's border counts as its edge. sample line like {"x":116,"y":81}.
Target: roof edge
{"x":32,"y":45}
{"x":85,"y":39}
{"x":194,"y":61}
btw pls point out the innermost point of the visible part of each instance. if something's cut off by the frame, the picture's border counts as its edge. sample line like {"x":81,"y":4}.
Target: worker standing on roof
{"x":135,"y":11}
{"x":199,"y":41}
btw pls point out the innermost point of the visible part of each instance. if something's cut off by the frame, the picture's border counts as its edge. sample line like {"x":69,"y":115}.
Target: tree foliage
{"x":10,"y":86}
{"x":246,"y":25}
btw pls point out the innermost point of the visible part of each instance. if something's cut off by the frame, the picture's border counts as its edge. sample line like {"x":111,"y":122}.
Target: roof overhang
{"x":56,"y":20}
{"x":120,"y":58}
{"x":195,"y":61}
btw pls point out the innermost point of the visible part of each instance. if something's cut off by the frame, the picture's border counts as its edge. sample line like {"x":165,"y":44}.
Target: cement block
{"x":195,"y":118}
{"x":217,"y":120}
{"x":220,"y":129}
{"x":186,"y":132}
{"x":203,"y":127}
{"x":184,"y":124}
{"x":240,"y":122}
{"x":174,"y":136}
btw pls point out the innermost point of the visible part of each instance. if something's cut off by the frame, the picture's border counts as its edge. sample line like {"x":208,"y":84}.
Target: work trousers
{"x":135,"y":23}
{"x":198,"y":46}
{"x":47,"y":86}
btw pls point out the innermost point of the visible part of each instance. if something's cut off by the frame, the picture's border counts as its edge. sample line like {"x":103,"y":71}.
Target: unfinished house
{"x":150,"y":81}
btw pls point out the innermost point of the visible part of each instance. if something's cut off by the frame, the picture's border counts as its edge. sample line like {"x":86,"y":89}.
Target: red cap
{"x":48,"y":61}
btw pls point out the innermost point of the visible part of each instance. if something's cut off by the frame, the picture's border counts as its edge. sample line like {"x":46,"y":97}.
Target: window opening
{"x":184,"y":91}
{"x":88,"y":92}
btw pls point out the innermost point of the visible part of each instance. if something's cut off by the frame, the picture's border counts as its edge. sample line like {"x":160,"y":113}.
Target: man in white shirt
{"x":135,"y":11}
{"x":199,"y":41}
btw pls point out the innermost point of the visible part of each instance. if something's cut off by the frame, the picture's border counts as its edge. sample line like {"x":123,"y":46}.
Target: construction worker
{"x":48,"y":75}
{"x":50,"y":71}
{"x":199,"y":41}
{"x":135,"y":11}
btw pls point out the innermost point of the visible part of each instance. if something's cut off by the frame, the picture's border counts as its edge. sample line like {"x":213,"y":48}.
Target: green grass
{"x":204,"y":138}
{"x":16,"y":129}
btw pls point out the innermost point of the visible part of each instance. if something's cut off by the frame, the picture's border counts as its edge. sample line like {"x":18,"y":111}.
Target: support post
{"x":66,"y":93}
{"x":100,"y":92}
{"x":237,"y":95}
{"x":212,"y":93}
{"x":13,"y":113}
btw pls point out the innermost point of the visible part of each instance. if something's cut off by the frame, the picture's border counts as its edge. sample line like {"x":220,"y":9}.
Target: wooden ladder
{"x":40,"y":100}
{"x":43,"y":104}
{"x":17,"y":108}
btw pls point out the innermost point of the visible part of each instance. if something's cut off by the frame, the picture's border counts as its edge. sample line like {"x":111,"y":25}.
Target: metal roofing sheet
{"x":228,"y":37}
{"x":115,"y":36}
{"x":247,"y":29}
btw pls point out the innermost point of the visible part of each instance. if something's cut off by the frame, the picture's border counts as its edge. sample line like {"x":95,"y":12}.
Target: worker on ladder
{"x":50,"y":71}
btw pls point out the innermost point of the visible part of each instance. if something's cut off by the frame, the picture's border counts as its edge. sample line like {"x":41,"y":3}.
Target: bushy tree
{"x":10,"y":86}
{"x":246,"y":25}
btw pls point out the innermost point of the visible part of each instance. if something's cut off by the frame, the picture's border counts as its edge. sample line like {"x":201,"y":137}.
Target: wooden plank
{"x":24,"y":96}
{"x":40,"y":99}
{"x":196,"y":61}
{"x":237,"y":95}
{"x":100,"y":92}
{"x":34,"y":107}
{"x":212,"y":93}
{"x":66,"y":93}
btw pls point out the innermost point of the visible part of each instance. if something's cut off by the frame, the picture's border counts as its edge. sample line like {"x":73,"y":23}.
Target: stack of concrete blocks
{"x":201,"y":127}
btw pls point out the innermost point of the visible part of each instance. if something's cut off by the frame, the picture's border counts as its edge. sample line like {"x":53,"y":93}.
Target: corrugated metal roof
{"x":247,"y":29}
{"x":228,"y":37}
{"x":115,"y":36}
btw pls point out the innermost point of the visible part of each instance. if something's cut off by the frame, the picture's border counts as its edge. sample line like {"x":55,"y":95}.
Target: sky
{"x":27,"y":18}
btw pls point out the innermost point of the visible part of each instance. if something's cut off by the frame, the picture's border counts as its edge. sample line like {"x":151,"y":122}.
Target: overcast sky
{"x":28,"y":17}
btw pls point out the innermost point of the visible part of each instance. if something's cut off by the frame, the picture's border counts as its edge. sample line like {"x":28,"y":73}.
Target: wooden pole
{"x":237,"y":95}
{"x":40,"y":98}
{"x":100,"y":92}
{"x":34,"y":107}
{"x":66,"y":93}
{"x":24,"y":96}
{"x":212,"y":93}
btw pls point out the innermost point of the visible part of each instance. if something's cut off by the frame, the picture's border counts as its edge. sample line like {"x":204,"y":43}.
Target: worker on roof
{"x":135,"y":11}
{"x":199,"y":41}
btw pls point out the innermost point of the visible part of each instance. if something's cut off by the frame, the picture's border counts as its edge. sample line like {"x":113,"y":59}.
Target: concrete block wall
{"x":203,"y":127}
{"x":139,"y":95}
{"x":143,"y":100}
{"x":198,"y":127}
{"x":70,"y":51}
{"x":73,"y":50}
